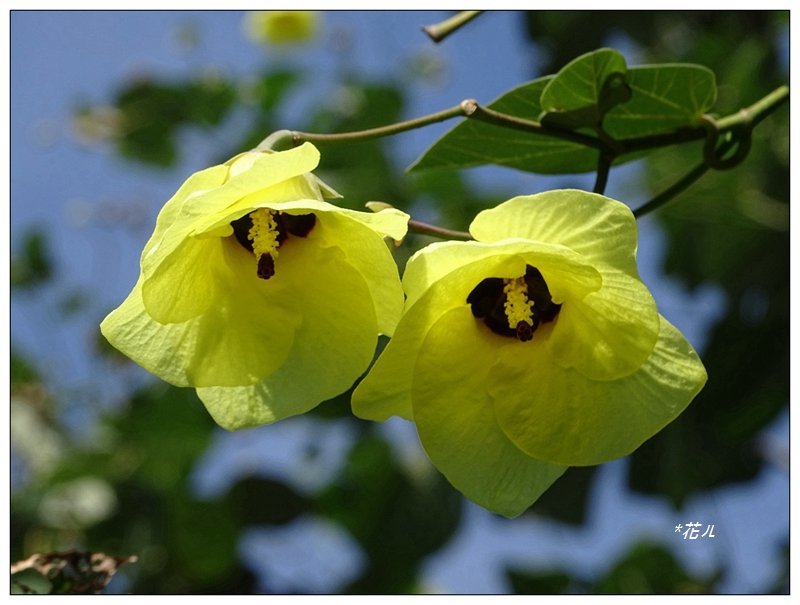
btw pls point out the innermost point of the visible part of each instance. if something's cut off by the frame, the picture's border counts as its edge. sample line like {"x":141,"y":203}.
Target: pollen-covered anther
{"x":265,"y":236}
{"x":518,"y":309}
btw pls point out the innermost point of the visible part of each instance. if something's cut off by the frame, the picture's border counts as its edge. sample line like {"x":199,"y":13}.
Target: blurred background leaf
{"x":397,"y":518}
{"x":647,"y":569}
{"x":730,"y":229}
{"x":31,"y":264}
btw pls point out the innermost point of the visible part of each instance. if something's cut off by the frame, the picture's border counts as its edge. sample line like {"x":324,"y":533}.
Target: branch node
{"x":469,"y":107}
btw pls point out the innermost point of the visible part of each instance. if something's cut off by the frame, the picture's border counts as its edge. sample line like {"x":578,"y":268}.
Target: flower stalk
{"x":436,"y":231}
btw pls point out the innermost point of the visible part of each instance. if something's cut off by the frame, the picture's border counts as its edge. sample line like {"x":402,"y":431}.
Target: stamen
{"x":263,"y":231}
{"x":517,"y":306}
{"x":514,"y":307}
{"x":265,"y":237}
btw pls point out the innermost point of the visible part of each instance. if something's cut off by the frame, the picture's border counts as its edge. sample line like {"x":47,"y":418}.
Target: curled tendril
{"x":713,"y":155}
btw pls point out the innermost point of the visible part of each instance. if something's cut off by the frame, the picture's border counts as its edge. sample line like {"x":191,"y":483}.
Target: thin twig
{"x":681,"y":185}
{"x":746,"y":117}
{"x":439,"y":31}
{"x":505,"y":120}
{"x":441,"y":232}
{"x":468,"y":108}
{"x":603,"y":168}
{"x":752,"y":115}
{"x":471,"y":109}
{"x":381,"y":131}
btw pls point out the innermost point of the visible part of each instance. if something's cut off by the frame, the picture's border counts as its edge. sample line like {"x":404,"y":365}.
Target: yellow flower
{"x":257,"y":293}
{"x":281,"y":27}
{"x":534,"y":348}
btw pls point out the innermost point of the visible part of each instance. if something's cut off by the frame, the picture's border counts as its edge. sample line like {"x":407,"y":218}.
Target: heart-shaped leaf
{"x":664,"y":98}
{"x":585,"y":90}
{"x":473,"y":143}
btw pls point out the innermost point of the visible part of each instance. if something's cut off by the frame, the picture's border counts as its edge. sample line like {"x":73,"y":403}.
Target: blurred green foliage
{"x":397,"y":518}
{"x":730,"y":229}
{"x":151,"y":112}
{"x":646,"y":569}
{"x":31,"y":262}
{"x":22,"y":371}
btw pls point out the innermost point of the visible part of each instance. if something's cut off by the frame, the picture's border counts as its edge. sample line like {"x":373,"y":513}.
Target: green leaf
{"x":207,"y":101}
{"x":272,"y":87}
{"x":473,"y":143}
{"x":646,"y":568}
{"x":664,"y":97}
{"x":567,"y":499}
{"x":398,"y":517}
{"x":30,"y":581}
{"x":583,"y":91}
{"x":152,"y":112}
{"x":593,"y":90}
{"x":260,"y":501}
{"x":731,"y":229}
{"x":539,"y":582}
{"x":202,"y":537}
{"x":650,"y":568}
{"x":170,"y":423}
{"x":22,"y":369}
{"x":31,"y":263}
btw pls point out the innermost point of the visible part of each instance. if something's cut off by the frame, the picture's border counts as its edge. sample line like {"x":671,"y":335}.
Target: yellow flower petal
{"x":601,"y":229}
{"x":587,"y":378}
{"x":561,"y":416}
{"x":564,"y":266}
{"x":207,"y":196}
{"x":608,"y":333}
{"x":268,"y":320}
{"x":332,"y":347}
{"x":207,"y":179}
{"x":281,"y":27}
{"x":297,"y":193}
{"x":386,"y":390}
{"x":456,"y":423}
{"x":245,"y":332}
{"x":351,"y":231}
{"x":371,"y":257}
